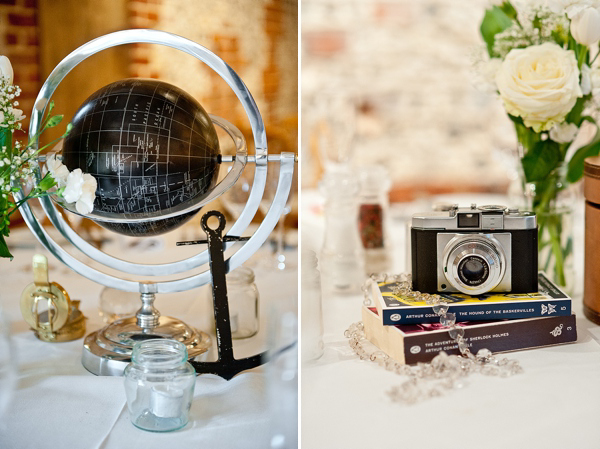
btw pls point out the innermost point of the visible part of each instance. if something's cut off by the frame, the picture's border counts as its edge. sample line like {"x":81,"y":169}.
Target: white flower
{"x":85,"y":203}
{"x":563,"y":132}
{"x":585,"y":26}
{"x":6,"y":69}
{"x":17,"y":113}
{"x":586,"y":79}
{"x":81,"y":190}
{"x":74,"y":186}
{"x":540,"y":84}
{"x":58,"y":170}
{"x":571,"y":7}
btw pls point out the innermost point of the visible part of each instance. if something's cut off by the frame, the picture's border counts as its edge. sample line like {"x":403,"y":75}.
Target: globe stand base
{"x":107,"y":351}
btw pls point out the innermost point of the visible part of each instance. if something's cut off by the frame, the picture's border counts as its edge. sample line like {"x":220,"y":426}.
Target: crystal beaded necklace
{"x":444,"y":372}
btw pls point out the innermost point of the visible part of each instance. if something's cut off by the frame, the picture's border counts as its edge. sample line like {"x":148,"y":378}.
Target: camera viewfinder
{"x":468,"y":220}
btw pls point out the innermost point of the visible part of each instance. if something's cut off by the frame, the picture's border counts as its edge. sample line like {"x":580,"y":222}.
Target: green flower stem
{"x":554,"y":230}
{"x":582,"y":53}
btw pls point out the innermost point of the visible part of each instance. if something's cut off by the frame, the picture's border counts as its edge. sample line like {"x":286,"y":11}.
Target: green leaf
{"x":517,"y":120}
{"x":4,"y":252}
{"x":575,"y":168}
{"x":6,"y":141}
{"x":55,"y":120}
{"x":541,"y":160}
{"x":508,"y":9}
{"x":494,"y":21}
{"x":46,"y":183}
{"x":575,"y":115}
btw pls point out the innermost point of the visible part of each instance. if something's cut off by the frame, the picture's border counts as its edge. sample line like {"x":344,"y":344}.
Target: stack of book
{"x":408,"y":330}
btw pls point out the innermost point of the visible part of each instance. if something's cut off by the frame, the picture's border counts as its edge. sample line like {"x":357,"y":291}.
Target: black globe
{"x":150,"y":145}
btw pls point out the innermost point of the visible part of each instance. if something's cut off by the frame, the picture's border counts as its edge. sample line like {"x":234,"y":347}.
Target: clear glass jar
{"x":159,"y":384}
{"x":243,"y":298}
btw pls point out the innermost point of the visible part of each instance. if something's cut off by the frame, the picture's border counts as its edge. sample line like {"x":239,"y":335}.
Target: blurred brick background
{"x":258,"y":39}
{"x":407,"y":67}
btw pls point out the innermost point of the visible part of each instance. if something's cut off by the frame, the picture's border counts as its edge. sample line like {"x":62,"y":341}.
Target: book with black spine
{"x":549,"y":300}
{"x":413,"y":343}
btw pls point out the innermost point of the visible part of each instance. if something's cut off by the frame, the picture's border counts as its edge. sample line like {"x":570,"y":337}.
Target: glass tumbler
{"x":159,"y":384}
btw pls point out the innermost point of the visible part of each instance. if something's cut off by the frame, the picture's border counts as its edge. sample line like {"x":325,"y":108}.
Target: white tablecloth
{"x":58,"y":404}
{"x":554,"y":404}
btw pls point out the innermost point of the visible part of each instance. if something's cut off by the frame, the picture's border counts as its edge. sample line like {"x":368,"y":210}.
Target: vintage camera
{"x":474,"y":250}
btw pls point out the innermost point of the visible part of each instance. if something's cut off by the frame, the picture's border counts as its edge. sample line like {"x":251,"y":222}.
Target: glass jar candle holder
{"x":243,"y":303}
{"x":159,"y":384}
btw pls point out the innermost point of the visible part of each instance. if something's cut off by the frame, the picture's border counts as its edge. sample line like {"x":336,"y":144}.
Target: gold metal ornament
{"x":47,"y":308}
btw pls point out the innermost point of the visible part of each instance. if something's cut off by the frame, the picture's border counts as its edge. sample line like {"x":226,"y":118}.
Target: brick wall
{"x":19,"y":41}
{"x":258,"y":39}
{"x":407,"y":67}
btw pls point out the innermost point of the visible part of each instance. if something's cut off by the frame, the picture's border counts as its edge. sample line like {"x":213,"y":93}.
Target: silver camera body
{"x":474,"y":250}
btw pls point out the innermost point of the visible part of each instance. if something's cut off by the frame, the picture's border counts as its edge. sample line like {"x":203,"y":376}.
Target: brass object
{"x":47,"y":308}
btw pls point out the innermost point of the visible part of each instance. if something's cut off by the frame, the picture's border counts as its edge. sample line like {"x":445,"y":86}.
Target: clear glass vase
{"x":553,"y":200}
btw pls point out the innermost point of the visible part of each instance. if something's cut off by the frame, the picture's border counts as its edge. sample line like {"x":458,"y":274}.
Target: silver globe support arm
{"x":286,"y":174}
{"x":240,"y":90}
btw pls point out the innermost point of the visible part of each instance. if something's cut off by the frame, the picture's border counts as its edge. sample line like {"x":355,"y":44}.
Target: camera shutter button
{"x":513,"y":210}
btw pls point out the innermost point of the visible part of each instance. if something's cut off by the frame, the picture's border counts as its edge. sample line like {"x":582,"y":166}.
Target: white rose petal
{"x":74,"y":186}
{"x":564,"y":132}
{"x":540,"y":84}
{"x":6,"y":69}
{"x":58,"y":170}
{"x":585,"y":26}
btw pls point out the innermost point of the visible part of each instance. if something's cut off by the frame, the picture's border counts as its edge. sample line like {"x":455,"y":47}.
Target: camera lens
{"x":473,"y":270}
{"x":473,"y":264}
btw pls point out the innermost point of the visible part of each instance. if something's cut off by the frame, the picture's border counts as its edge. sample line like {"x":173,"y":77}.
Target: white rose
{"x":540,"y":84}
{"x":585,"y":26}
{"x":85,"y":203}
{"x":58,"y":170}
{"x":6,"y":69}
{"x":564,"y":132}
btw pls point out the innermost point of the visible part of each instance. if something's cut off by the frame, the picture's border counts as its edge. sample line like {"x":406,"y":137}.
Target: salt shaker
{"x":159,"y":384}
{"x":372,"y":217}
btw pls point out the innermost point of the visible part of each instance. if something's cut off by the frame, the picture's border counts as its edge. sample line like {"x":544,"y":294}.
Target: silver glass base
{"x":107,"y":351}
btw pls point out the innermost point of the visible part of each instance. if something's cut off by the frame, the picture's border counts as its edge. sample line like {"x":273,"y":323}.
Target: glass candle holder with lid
{"x":159,"y":384}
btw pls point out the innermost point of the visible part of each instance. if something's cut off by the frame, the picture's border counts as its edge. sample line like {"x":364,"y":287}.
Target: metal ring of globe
{"x":287,"y":162}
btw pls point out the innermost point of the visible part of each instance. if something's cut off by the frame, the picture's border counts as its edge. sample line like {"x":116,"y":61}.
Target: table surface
{"x":59,"y":404}
{"x":554,"y":403}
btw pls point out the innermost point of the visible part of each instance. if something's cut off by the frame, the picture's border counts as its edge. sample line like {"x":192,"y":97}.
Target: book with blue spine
{"x":549,"y":300}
